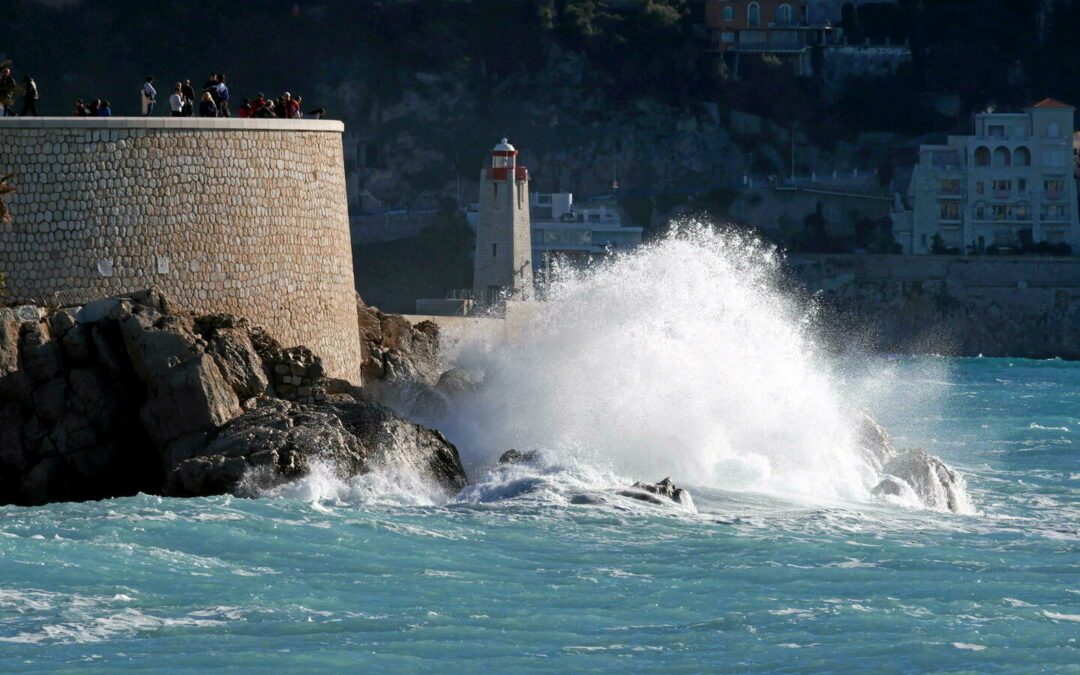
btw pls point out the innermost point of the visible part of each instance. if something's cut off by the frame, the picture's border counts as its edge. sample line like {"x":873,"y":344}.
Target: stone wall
{"x":960,"y":305}
{"x":247,"y":217}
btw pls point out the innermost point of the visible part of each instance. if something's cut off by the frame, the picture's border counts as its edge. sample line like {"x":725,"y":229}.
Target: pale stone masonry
{"x":241,"y":216}
{"x":503,"y":262}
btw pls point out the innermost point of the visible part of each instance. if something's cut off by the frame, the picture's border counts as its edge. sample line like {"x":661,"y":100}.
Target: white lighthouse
{"x":503,"y":263}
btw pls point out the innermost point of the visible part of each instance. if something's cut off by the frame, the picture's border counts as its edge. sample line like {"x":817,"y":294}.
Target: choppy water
{"x":635,"y":372}
{"x":750,"y":582}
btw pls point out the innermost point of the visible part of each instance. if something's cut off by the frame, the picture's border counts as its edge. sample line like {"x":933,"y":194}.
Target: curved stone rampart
{"x":224,"y":215}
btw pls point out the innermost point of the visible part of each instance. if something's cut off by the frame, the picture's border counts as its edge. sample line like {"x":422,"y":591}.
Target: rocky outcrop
{"x":911,"y":475}
{"x":657,"y":493}
{"x":127,"y":394}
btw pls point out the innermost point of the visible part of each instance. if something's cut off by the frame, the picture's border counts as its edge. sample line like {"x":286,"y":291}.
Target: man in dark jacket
{"x":189,"y":98}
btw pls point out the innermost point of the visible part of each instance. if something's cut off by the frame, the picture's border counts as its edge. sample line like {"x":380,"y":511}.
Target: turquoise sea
{"x":312,"y":579}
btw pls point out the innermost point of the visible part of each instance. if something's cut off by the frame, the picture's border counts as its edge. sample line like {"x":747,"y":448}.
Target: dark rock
{"x":650,"y":492}
{"x":62,"y":321}
{"x":283,"y":440}
{"x":188,"y":398}
{"x":457,"y":382}
{"x":49,"y":400}
{"x":213,"y":475}
{"x":129,"y":395}
{"x":512,"y":456}
{"x":40,"y":356}
{"x":12,"y":457}
{"x":76,"y":344}
{"x":235,"y":356}
{"x":14,"y":383}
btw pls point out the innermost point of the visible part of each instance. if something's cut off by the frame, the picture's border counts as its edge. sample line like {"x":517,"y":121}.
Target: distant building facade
{"x":503,"y":263}
{"x":575,"y":234}
{"x":1011,"y":182}
{"x":793,"y":29}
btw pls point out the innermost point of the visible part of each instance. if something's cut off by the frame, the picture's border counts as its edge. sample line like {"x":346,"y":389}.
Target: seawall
{"x":223,"y":215}
{"x":961,"y":305}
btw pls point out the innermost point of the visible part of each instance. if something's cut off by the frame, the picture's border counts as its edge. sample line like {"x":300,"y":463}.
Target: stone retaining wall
{"x":247,"y":217}
{"x":962,"y":305}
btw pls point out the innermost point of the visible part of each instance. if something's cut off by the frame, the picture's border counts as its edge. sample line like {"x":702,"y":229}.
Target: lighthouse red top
{"x":504,"y":163}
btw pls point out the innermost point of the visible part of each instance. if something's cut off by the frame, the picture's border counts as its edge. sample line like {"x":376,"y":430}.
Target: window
{"x":729,"y":13}
{"x":996,"y":131}
{"x":950,"y":210}
{"x":728,"y":36}
{"x":980,"y":211}
{"x":979,"y":187}
{"x":1002,"y":157}
{"x":1021,"y":185}
{"x":950,"y":186}
{"x":1054,"y":188}
{"x":1000,"y":211}
{"x":1001,"y":187}
{"x":543,"y":199}
{"x":1022,"y":157}
{"x":1054,"y":212}
{"x":1022,"y":211}
{"x":783,"y":15}
{"x":753,"y":14}
{"x":982,"y":156}
{"x":1055,"y":158}
{"x":494,"y":250}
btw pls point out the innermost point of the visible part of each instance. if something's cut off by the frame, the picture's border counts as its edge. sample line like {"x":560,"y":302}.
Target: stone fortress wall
{"x":224,"y":215}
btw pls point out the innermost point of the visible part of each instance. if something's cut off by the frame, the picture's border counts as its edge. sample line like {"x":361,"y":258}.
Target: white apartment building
{"x":1013,"y":177}
{"x":573,"y":232}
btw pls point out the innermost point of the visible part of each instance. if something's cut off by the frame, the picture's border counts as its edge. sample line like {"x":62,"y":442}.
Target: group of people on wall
{"x":30,"y":94}
{"x":212,"y":101}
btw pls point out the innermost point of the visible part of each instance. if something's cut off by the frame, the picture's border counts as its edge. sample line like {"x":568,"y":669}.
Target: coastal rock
{"x":936,"y":485}
{"x":282,"y":440}
{"x":129,"y":395}
{"x":653,"y":492}
{"x":512,"y":456}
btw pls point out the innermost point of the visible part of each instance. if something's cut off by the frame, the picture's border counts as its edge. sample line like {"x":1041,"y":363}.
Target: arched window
{"x":729,"y":13}
{"x":1002,"y":157}
{"x":1022,"y":157}
{"x":982,"y":156}
{"x":753,"y":14}
{"x":783,"y":15}
{"x":980,"y":210}
{"x":1053,"y":130}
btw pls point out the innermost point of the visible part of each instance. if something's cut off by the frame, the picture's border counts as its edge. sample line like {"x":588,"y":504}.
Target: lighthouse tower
{"x":503,"y":261}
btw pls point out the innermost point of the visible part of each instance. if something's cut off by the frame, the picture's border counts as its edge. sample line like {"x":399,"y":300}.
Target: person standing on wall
{"x":176,"y":100}
{"x":221,"y":96}
{"x":104,"y":110}
{"x":207,"y":108}
{"x":149,"y":97}
{"x":30,"y":97}
{"x":189,"y":98}
{"x":7,"y":83}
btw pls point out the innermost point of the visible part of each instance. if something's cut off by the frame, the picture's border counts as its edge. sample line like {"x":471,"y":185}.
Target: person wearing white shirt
{"x":176,"y":101}
{"x":149,"y":97}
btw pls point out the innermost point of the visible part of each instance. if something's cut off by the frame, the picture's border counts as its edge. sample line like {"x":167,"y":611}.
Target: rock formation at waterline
{"x":126,"y":394}
{"x":911,"y":473}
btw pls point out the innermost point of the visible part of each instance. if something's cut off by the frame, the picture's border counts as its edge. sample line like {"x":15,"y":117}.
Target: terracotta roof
{"x":1052,"y":103}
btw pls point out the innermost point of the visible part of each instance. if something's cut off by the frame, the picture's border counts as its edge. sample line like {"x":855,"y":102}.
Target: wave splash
{"x":683,"y":359}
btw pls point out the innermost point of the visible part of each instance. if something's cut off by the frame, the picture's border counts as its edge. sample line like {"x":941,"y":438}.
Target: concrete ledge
{"x":185,"y":123}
